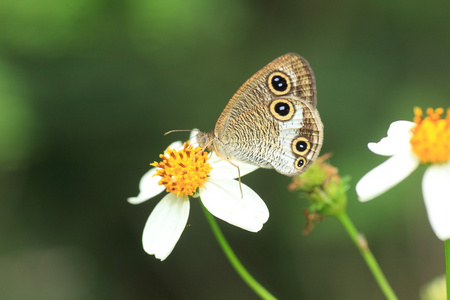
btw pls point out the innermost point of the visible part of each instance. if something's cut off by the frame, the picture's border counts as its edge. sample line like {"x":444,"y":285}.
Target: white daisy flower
{"x":424,"y":141}
{"x":187,"y":171}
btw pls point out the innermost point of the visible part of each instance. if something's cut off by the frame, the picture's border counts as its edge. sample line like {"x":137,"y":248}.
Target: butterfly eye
{"x":300,"y":163}
{"x":300,"y":146}
{"x":282,"y":109}
{"x":279,"y":83}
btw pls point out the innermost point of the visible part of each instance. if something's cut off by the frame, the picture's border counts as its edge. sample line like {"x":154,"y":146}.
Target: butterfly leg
{"x":239,"y":177}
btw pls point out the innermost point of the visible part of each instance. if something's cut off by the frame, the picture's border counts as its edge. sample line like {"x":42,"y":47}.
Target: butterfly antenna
{"x":176,"y":130}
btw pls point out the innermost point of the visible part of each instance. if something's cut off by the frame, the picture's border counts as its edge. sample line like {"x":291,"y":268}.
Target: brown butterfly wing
{"x":256,"y":90}
{"x":251,"y":129}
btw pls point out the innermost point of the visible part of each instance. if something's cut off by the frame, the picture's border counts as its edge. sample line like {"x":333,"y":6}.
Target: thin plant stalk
{"x":237,"y":265}
{"x":447,"y":266}
{"x":363,"y":248}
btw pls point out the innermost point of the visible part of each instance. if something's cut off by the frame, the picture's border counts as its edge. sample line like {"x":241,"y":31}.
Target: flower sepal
{"x":322,"y":186}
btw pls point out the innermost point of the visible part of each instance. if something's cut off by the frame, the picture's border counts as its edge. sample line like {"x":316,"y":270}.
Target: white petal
{"x":386,"y":175}
{"x":222,"y":197}
{"x":224,"y":169}
{"x":397,"y":140}
{"x":436,"y":193}
{"x":193,"y":137}
{"x":148,"y":187}
{"x":165,"y":225}
{"x":398,"y":128}
{"x":178,"y":145}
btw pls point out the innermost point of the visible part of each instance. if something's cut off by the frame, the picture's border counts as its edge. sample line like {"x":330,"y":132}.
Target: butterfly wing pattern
{"x":272,"y":120}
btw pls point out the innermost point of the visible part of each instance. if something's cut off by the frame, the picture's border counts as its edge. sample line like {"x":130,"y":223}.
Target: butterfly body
{"x":272,"y":120}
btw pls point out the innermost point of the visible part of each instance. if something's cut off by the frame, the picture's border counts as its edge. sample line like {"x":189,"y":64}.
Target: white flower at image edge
{"x":402,"y":162}
{"x":220,"y":194}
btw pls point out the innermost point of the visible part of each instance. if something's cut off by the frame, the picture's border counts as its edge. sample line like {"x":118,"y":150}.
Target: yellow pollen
{"x":183,"y":171}
{"x":430,"y":139}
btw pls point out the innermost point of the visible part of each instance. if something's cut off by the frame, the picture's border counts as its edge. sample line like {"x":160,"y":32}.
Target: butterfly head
{"x":205,"y":139}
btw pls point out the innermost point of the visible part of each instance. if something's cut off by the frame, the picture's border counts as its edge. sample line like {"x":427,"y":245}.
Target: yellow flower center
{"x":430,"y":139}
{"x":182,"y":172}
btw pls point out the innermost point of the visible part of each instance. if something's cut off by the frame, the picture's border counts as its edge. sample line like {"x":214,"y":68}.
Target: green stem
{"x":245,"y":275}
{"x":447,"y":266}
{"x":361,"y":244}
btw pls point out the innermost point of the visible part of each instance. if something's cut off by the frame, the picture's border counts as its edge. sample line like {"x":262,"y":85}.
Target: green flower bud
{"x":322,"y":186}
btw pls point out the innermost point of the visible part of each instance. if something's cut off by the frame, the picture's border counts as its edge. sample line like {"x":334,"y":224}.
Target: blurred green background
{"x":88,"y":87}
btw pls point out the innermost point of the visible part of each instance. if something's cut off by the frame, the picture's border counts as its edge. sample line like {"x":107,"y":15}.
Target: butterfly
{"x":272,"y":120}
